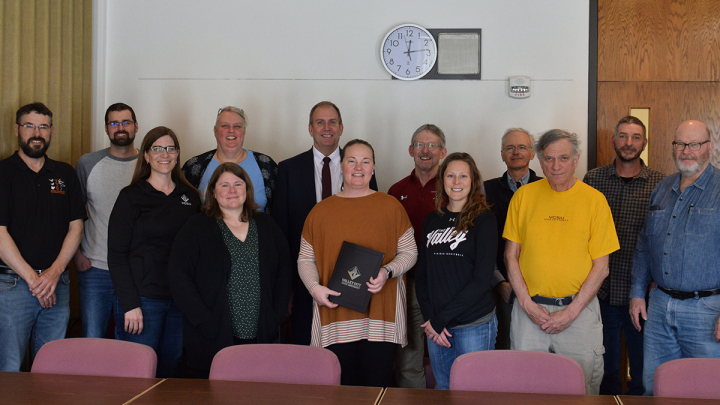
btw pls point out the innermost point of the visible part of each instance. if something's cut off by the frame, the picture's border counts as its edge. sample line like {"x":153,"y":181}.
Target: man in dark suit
{"x":516,"y":153}
{"x":303,"y":181}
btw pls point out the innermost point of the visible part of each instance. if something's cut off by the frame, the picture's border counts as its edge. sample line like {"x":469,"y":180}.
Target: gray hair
{"x":433,"y":129}
{"x":235,"y":110}
{"x":524,"y":131}
{"x":555,"y":135}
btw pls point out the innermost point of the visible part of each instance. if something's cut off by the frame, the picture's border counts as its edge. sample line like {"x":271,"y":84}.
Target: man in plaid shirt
{"x":627,"y":184}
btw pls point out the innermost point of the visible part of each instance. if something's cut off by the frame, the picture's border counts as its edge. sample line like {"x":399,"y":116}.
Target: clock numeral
{"x":426,"y":61}
{"x":389,"y":51}
{"x":407,"y":72}
{"x":394,"y":43}
{"x":400,"y":36}
{"x":417,"y":69}
{"x":392,"y":62}
{"x":399,"y":67}
{"x":409,"y":33}
{"x":428,"y":52}
{"x":426,"y":42}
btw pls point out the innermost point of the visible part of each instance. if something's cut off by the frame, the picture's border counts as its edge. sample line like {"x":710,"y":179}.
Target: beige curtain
{"x":46,"y":56}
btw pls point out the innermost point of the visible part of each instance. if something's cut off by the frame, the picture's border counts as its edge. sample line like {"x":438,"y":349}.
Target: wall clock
{"x":408,"y":52}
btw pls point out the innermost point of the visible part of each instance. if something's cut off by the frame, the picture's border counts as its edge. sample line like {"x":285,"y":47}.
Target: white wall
{"x":176,"y":62}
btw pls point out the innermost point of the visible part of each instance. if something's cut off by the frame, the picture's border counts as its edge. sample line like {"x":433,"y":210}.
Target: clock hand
{"x":409,"y":43}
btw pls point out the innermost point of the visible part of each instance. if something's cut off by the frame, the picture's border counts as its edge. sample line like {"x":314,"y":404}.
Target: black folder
{"x":354,"y":267}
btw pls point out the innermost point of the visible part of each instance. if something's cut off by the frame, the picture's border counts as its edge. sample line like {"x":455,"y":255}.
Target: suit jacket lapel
{"x":307,"y":177}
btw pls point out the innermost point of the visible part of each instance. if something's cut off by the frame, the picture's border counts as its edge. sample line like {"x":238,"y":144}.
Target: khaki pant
{"x":409,"y":370}
{"x":582,"y":340}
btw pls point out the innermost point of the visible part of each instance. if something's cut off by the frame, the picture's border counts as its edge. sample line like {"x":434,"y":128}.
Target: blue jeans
{"x":22,"y":319}
{"x":465,"y":340}
{"x":616,"y":319}
{"x":96,"y":301}
{"x":678,"y":329}
{"x":162,"y":330}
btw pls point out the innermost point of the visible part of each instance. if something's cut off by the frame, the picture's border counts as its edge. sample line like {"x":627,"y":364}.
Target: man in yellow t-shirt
{"x":560,"y":233}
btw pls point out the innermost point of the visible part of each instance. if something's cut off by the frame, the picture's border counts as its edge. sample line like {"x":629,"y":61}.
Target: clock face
{"x":408,"y":52}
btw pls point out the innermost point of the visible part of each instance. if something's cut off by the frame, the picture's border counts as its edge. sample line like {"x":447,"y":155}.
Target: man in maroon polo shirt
{"x":416,"y":193}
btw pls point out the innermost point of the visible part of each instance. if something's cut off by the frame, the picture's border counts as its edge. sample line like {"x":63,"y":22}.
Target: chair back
{"x":95,"y":356}
{"x":689,"y":378}
{"x":517,"y":371}
{"x":283,"y":363}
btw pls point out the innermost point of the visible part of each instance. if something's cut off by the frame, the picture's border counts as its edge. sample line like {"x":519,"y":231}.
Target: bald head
{"x":695,"y":128}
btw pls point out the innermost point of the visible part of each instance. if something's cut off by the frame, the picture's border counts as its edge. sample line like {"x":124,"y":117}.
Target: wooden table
{"x":630,"y":400}
{"x":405,"y":396}
{"x":56,"y":389}
{"x":188,"y":391}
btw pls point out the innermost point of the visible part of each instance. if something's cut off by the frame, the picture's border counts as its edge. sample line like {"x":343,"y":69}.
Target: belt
{"x":8,"y":270}
{"x":553,"y":301}
{"x":682,"y":295}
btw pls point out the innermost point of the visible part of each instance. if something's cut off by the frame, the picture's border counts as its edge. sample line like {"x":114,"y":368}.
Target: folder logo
{"x":354,"y":273}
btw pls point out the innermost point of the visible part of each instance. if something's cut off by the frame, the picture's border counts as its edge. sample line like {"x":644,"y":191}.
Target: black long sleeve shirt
{"x":143,"y":225}
{"x":454,"y":271}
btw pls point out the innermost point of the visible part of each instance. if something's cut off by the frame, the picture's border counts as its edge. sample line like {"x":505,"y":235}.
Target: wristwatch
{"x":389,"y":272}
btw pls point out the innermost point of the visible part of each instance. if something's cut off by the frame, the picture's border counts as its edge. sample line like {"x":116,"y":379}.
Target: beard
{"x":31,"y":151}
{"x":693,"y":168}
{"x":128,"y":140}
{"x":618,"y":152}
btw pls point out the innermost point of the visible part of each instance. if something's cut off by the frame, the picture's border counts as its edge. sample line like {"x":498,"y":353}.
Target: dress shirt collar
{"x":318,"y":157}
{"x":523,"y":181}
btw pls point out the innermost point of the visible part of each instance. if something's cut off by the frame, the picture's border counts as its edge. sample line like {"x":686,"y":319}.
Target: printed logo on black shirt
{"x":185,"y":200}
{"x":447,"y":235}
{"x":57,"y":186}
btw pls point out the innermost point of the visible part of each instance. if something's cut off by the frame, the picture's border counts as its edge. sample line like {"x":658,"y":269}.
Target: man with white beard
{"x":678,"y":249}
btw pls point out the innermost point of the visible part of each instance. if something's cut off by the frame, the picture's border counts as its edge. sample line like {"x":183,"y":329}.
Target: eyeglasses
{"x":694,"y":146}
{"x":31,"y":127}
{"x":169,"y":149}
{"x":125,"y":123}
{"x":520,"y":148}
{"x":432,"y":146}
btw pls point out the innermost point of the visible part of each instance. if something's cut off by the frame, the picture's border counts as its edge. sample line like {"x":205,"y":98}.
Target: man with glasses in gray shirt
{"x":102,"y":175}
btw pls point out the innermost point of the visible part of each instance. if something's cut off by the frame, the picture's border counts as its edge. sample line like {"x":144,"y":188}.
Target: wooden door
{"x":663,"y":55}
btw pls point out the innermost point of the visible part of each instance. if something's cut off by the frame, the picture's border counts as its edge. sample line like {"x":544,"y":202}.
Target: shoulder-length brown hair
{"x":212,"y":208}
{"x":475,"y":204}
{"x":142,"y":168}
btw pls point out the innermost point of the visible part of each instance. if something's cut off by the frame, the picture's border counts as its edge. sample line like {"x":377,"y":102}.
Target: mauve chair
{"x":95,"y":356}
{"x":689,"y":378}
{"x":284,"y":363}
{"x":517,"y":371}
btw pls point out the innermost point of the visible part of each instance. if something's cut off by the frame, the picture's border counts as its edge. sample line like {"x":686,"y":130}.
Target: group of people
{"x":220,"y":252}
